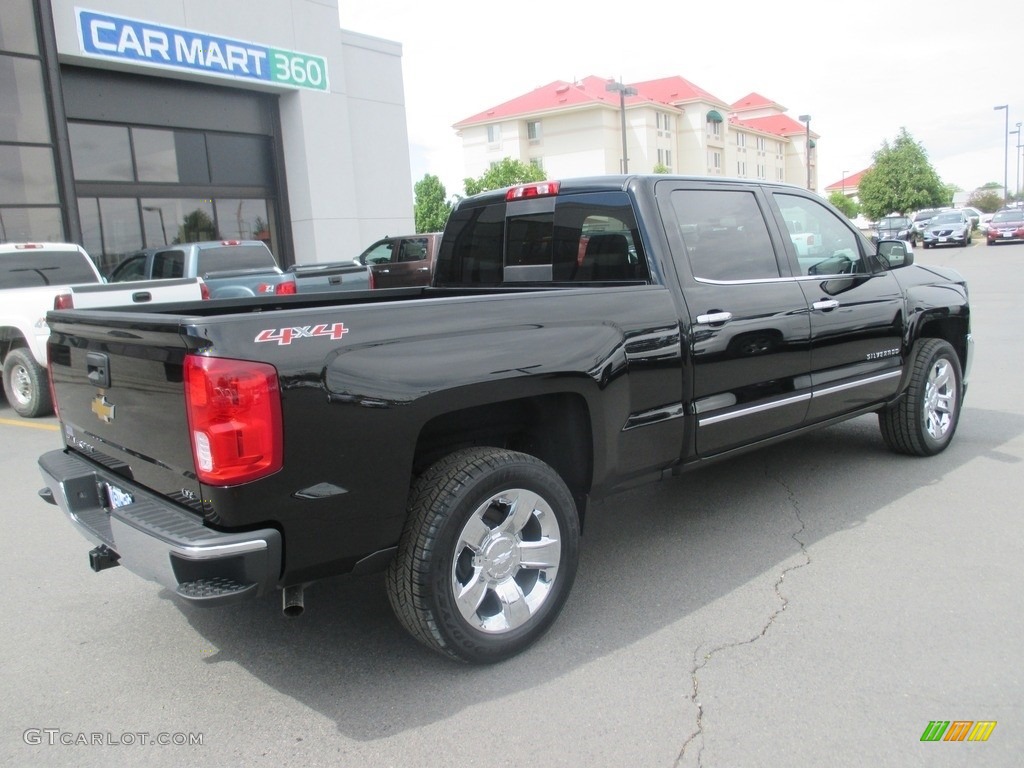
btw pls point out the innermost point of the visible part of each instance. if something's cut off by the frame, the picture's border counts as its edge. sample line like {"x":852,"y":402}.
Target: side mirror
{"x":895,"y":253}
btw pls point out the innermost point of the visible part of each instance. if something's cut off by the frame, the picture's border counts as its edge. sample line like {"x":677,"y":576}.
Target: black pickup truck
{"x":579,"y":337}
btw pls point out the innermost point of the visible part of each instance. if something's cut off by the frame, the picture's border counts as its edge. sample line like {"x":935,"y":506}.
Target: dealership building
{"x":127,"y":124}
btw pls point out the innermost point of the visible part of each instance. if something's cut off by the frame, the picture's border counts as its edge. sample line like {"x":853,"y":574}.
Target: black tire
{"x":923,"y":422}
{"x":463,"y":536}
{"x":25,"y":385}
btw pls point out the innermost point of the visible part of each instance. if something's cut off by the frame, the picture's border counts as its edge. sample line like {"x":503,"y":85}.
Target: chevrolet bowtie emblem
{"x":103,"y":409}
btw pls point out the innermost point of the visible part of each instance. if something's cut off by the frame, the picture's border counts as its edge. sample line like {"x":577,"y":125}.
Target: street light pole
{"x":1006,"y":149}
{"x":1016,"y":162}
{"x":807,"y":119}
{"x":624,"y":91}
{"x":844,"y":183}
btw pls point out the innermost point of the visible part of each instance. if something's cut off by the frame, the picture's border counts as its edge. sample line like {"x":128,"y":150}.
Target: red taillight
{"x":230,"y":242}
{"x":371,"y":279}
{"x":285,"y":289}
{"x":234,"y":418}
{"x":204,"y":290}
{"x":28,"y":246}
{"x":810,"y":239}
{"x":64,"y":301}
{"x":538,"y":189}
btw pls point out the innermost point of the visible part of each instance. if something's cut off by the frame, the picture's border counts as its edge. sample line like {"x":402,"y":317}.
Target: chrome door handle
{"x":423,"y":269}
{"x":825,"y":305}
{"x":714,"y":317}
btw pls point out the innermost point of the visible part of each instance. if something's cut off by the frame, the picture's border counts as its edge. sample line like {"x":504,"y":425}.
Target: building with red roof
{"x":575,"y":129}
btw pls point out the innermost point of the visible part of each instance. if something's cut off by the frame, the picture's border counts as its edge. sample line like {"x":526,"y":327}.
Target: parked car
{"x":974,"y":214}
{"x":331,"y":276}
{"x":231,"y":269}
{"x":401,"y":261}
{"x":32,"y":275}
{"x":895,"y":226}
{"x":921,"y":219}
{"x":983,"y":221}
{"x":806,"y":243}
{"x":948,"y":228}
{"x":456,"y":435}
{"x":1006,"y":227}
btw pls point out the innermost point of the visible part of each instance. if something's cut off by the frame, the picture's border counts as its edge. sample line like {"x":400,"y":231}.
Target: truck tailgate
{"x":119,"y":387}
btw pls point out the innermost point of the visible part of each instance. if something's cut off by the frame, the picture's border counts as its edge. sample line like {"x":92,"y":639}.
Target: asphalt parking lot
{"x":817,"y":603}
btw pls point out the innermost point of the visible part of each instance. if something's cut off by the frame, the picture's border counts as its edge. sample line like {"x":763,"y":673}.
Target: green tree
{"x":849,"y":208}
{"x":431,"y":207}
{"x":661,"y":168}
{"x":504,"y":174}
{"x":900,"y":180}
{"x":196,"y":227}
{"x":987,"y":199}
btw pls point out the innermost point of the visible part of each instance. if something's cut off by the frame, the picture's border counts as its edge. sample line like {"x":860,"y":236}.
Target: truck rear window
{"x":588,"y":238}
{"x":38,"y":267}
{"x":231,"y":257}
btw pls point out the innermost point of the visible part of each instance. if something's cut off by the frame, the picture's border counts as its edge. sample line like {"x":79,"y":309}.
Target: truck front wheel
{"x":25,"y":384}
{"x":488,"y":555}
{"x":923,"y":422}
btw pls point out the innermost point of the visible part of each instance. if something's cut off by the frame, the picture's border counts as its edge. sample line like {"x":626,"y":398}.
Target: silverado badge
{"x":103,"y":409}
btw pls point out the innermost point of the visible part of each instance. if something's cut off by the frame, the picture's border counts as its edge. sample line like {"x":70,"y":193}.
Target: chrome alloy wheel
{"x":21,"y":384}
{"x":940,"y":399}
{"x":506,"y":560}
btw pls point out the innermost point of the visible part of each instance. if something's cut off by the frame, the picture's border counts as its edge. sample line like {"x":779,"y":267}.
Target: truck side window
{"x":168,"y":264}
{"x":133,"y":268}
{"x":725,"y":235}
{"x":378,"y":253}
{"x":823,"y":244}
{"x":413,"y":249}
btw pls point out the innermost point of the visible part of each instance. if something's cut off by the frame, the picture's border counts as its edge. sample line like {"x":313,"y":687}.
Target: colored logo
{"x":149,"y":44}
{"x":958,"y":730}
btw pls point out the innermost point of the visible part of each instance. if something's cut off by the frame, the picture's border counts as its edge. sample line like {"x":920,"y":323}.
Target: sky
{"x":861,"y":70}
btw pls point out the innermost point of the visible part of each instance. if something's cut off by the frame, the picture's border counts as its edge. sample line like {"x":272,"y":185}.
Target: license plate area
{"x":117,"y":497}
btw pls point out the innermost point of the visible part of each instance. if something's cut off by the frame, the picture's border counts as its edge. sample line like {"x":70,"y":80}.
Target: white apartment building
{"x":575,"y":129}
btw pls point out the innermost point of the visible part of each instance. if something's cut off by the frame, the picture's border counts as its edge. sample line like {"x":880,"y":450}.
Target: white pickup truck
{"x":38,"y":277}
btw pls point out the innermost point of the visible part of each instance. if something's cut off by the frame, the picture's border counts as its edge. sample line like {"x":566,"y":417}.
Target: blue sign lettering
{"x":149,"y":44}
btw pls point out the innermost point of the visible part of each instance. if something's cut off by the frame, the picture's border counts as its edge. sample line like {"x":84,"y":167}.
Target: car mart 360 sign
{"x":142,"y":42}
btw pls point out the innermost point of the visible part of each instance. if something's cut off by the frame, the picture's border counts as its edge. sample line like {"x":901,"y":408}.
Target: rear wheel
{"x":924,"y":421}
{"x":488,"y":555}
{"x":25,"y":384}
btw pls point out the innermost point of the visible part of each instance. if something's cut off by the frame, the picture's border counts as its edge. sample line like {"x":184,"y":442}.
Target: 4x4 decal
{"x":287,"y":335}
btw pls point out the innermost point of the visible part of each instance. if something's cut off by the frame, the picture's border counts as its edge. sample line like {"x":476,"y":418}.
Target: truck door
{"x":857,"y":312}
{"x":409,"y":265}
{"x":748,"y":320}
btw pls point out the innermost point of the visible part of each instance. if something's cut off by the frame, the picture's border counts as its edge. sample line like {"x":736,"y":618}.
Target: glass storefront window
{"x":110,"y":229}
{"x":28,"y":176}
{"x":23,"y":116}
{"x":22,"y":225}
{"x":243,"y":160}
{"x":18,"y":28}
{"x":243,"y":219}
{"x":100,"y":152}
{"x":155,"y":157}
{"x":182,"y":220}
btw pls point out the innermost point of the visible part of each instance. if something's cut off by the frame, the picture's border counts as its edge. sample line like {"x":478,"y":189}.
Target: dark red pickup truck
{"x":578,"y":337}
{"x":402,"y":261}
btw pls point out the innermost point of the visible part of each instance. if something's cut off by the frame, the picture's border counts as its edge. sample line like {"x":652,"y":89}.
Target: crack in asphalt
{"x":699,"y":663}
